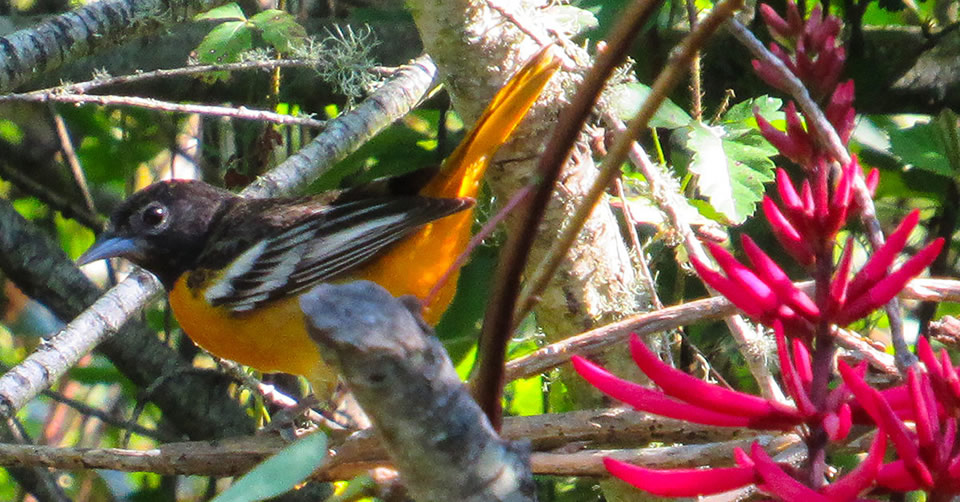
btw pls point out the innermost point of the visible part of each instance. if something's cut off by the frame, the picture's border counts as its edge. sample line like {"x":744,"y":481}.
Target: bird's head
{"x":162,"y":228}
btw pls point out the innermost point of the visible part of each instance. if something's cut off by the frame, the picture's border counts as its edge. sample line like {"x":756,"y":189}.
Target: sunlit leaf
{"x":228,"y":12}
{"x":279,"y":29}
{"x":279,"y":473}
{"x":627,"y":99}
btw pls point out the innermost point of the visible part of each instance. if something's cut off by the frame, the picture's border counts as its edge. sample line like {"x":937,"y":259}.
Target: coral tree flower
{"x":765,"y":294}
{"x":687,"y":398}
{"x":929,"y":452}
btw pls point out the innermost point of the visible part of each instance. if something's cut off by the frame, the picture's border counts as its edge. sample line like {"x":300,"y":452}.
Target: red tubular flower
{"x":755,"y":296}
{"x":943,"y":378}
{"x":794,"y":144}
{"x":770,"y":273}
{"x":888,"y":287}
{"x":784,"y":31}
{"x":787,"y":235}
{"x":882,"y":258}
{"x":681,"y":482}
{"x":792,"y":380}
{"x":883,"y":415}
{"x":687,"y":398}
{"x":816,"y":58}
{"x":779,"y":482}
{"x":841,"y":281}
{"x":840,"y":112}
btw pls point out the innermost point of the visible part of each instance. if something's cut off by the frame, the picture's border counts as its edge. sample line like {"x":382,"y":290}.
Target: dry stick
{"x":108,"y":418}
{"x":599,"y":339}
{"x":646,"y":278}
{"x":82,"y":87}
{"x":696,"y":92}
{"x":829,"y":139}
{"x":105,"y":316}
{"x":234,"y":456}
{"x":498,"y":320}
{"x":70,"y":155}
{"x":69,"y":208}
{"x":242,"y":112}
{"x":670,"y":203}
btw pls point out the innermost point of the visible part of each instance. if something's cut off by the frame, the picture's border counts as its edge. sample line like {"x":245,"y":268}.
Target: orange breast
{"x":272,"y":339}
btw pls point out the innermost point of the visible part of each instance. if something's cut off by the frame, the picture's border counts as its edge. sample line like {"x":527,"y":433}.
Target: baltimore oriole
{"x":233,"y":267}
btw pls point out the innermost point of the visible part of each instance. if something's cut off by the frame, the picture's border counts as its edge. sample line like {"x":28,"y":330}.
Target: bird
{"x":234,"y":267}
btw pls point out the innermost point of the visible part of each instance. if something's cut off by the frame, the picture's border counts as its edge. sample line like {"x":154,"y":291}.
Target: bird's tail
{"x":463,"y":170}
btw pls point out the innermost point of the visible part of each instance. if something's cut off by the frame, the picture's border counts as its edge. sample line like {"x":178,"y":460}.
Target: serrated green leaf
{"x":228,"y":12}
{"x":740,"y":118}
{"x":626,"y":99}
{"x":224,"y":44}
{"x":921,"y":147}
{"x":279,"y":29}
{"x":730,"y":171}
{"x":279,"y":473}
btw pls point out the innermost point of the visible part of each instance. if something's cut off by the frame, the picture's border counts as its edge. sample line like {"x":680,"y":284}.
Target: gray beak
{"x":108,"y":247}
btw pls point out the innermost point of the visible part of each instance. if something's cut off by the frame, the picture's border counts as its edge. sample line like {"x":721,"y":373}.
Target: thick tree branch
{"x":438,"y":438}
{"x":84,"y":31}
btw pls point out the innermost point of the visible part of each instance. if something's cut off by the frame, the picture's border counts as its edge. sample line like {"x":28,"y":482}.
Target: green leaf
{"x":626,"y":99}
{"x":279,"y":29}
{"x":524,"y":397}
{"x":731,"y":170}
{"x":279,"y":473}
{"x":224,"y":44}
{"x":228,"y":12}
{"x":740,"y":119}
{"x":921,"y":147}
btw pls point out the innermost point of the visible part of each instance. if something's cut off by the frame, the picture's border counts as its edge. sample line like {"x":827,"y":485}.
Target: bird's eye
{"x":153,"y":215}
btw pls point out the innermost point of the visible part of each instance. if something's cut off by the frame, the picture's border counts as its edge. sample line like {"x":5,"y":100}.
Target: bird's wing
{"x":328,"y":242}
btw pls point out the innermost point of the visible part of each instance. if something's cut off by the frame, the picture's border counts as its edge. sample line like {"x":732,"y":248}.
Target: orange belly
{"x":272,"y":339}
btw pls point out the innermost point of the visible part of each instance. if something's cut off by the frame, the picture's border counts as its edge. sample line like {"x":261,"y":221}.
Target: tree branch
{"x":435,"y":433}
{"x":84,"y":31}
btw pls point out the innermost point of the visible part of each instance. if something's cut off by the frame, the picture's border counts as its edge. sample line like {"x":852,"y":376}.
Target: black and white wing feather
{"x":327,"y":242}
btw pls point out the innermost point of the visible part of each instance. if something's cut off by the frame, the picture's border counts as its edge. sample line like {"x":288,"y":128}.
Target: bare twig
{"x":83,"y":87}
{"x":242,"y":112}
{"x":70,"y":156}
{"x":84,"y":30}
{"x":439,"y":439}
{"x":231,"y":457}
{"x":108,"y":418}
{"x":40,"y":369}
{"x":51,"y":198}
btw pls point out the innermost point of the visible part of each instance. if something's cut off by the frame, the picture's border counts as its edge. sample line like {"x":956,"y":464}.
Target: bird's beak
{"x":108,"y":246}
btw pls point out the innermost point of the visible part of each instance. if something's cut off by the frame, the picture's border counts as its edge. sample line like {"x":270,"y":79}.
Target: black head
{"x":162,"y":228}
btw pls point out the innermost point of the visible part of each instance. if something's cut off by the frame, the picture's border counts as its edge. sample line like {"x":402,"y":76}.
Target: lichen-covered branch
{"x":437,"y":436}
{"x":84,"y":31}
